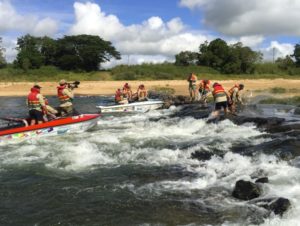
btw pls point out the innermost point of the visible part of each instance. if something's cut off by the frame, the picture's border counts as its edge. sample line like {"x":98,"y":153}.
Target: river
{"x":137,"y":170}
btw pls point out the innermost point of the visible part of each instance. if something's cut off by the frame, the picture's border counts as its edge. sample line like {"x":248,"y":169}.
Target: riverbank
{"x":291,"y":87}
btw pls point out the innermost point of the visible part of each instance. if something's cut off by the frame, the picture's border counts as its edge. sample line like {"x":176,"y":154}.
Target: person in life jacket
{"x":119,"y":98}
{"x":220,"y":98}
{"x":192,"y":80}
{"x":127,"y":92}
{"x":204,"y":91}
{"x":65,"y":95}
{"x":142,"y":93}
{"x":235,"y":97}
{"x":36,"y":105}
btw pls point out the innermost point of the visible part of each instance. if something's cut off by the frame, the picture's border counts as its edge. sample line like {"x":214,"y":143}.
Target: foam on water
{"x":153,"y":140}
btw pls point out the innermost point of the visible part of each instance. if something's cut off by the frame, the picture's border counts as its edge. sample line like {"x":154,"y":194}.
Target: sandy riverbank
{"x":180,"y":86}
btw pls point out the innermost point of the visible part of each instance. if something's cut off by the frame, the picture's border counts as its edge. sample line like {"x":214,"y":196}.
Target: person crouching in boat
{"x":142,"y":93}
{"x":127,"y":92}
{"x":36,"y":105}
{"x":221,"y":98}
{"x":65,"y":95}
{"x":119,"y":98}
{"x":51,"y":112}
{"x":234,"y":94}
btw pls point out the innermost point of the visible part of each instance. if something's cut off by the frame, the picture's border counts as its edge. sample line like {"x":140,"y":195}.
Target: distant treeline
{"x":80,"y":57}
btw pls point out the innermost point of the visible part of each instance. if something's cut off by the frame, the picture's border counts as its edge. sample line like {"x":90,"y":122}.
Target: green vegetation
{"x":278,"y":90}
{"x":288,"y":101}
{"x":164,"y":90}
{"x":80,"y":57}
{"x":71,"y":53}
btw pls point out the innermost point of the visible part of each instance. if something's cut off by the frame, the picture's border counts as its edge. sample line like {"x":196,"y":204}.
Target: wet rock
{"x":276,"y":205}
{"x":194,"y":110}
{"x":246,"y":190}
{"x":202,"y":155}
{"x":297,"y":111}
{"x":262,"y":180}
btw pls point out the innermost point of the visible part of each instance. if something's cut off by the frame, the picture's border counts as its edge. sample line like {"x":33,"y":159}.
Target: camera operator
{"x":65,"y":95}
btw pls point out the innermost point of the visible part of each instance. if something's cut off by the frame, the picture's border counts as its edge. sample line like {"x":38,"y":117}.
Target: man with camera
{"x":65,"y":95}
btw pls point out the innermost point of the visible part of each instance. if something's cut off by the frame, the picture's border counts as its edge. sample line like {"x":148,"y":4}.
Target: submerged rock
{"x":262,"y":180}
{"x":277,"y":205}
{"x":202,"y":155}
{"x":246,"y":190}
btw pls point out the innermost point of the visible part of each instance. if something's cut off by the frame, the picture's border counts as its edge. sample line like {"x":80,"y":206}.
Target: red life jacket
{"x":33,"y":101}
{"x":62,"y":97}
{"x":205,"y":84}
{"x":118,"y":96}
{"x":218,"y":89}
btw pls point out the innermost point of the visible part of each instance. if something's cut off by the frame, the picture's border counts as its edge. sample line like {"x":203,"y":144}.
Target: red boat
{"x":72,"y":124}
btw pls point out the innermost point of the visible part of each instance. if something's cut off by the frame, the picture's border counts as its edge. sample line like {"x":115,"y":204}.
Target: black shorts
{"x":35,"y":114}
{"x":221,"y":105}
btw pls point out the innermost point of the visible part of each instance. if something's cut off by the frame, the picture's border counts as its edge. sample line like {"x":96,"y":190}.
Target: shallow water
{"x":138,"y":170}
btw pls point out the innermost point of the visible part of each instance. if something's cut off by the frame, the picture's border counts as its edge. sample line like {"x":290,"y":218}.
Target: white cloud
{"x":10,"y":20}
{"x":244,"y":17}
{"x":151,"y":37}
{"x":279,"y":50}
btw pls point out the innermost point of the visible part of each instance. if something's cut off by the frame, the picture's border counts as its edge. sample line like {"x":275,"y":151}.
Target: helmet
{"x":62,"y":82}
{"x":37,"y":86}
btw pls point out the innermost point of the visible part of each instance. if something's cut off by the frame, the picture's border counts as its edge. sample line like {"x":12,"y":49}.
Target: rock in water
{"x":246,"y":190}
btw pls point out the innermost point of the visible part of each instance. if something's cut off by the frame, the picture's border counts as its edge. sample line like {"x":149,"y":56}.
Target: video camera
{"x":74,"y":85}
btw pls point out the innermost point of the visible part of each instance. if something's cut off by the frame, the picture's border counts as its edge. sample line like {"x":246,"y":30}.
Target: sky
{"x":155,"y":31}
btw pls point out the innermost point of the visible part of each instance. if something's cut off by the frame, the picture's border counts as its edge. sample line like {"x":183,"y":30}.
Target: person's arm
{"x":69,"y":93}
{"x":42,"y":102}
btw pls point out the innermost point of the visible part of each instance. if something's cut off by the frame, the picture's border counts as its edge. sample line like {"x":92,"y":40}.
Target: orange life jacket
{"x":142,"y":92}
{"x":218,"y":89}
{"x":118,"y":96}
{"x":231,"y":90}
{"x":61,"y":96}
{"x":192,"y":78}
{"x":204,"y":84}
{"x":33,"y":101}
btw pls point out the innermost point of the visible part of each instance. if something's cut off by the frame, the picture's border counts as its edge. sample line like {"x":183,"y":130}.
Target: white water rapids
{"x":156,"y":140}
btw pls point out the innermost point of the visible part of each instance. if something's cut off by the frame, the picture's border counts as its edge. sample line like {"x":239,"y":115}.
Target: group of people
{"x":39,"y":108}
{"x":125,"y":95}
{"x":226,"y":100}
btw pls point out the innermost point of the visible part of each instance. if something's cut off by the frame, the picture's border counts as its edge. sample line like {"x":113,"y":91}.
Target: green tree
{"x":84,"y":52}
{"x":29,"y":53}
{"x":48,"y":49}
{"x":285,"y":63}
{"x":296,"y":54}
{"x":186,"y":58}
{"x":2,"y":58}
{"x":213,"y":54}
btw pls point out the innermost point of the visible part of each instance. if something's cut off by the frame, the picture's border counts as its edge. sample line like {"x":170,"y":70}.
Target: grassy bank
{"x":135,"y":72}
{"x":287,"y":101}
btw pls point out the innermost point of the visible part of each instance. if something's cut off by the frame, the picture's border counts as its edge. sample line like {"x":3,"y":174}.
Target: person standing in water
{"x":192,"y":80}
{"x":220,"y":98}
{"x":204,"y":90}
{"x":235,"y":97}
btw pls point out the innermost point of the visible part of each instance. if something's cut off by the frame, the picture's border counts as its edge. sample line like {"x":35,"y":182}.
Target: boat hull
{"x":133,"y":107}
{"x":74,"y":124}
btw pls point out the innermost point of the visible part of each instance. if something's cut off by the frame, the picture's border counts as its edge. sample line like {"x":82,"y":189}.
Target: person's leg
{"x":32,"y":117}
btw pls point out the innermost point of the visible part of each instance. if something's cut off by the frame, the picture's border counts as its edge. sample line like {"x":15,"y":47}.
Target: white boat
{"x":143,"y":106}
{"x":23,"y":131}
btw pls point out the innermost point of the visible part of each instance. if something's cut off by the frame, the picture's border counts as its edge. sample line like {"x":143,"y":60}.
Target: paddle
{"x":15,"y":120}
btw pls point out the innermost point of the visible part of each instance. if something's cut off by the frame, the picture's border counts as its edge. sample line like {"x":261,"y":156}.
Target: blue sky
{"x":154,"y":31}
